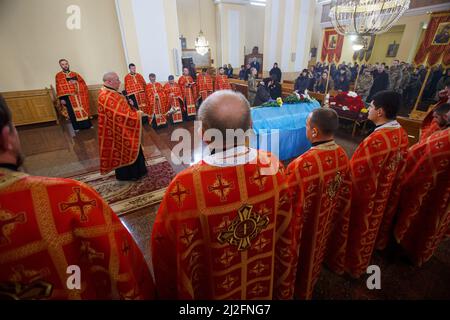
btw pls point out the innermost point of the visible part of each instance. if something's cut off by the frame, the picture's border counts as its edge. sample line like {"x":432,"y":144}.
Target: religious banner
{"x":436,"y":42}
{"x":332,"y":46}
{"x":366,"y":52}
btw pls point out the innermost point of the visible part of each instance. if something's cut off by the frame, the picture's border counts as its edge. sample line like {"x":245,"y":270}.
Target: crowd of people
{"x":365,"y":79}
{"x":400,"y":77}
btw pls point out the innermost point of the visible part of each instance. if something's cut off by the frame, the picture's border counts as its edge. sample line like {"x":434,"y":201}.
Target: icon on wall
{"x":392,"y":50}
{"x":442,"y":35}
{"x":333,"y":41}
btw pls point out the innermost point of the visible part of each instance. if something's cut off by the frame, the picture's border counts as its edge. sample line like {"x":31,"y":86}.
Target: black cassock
{"x":133,"y":171}
{"x":77,"y":125}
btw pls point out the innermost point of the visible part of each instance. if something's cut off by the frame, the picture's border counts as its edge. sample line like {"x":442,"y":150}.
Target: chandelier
{"x":366,"y":17}
{"x":201,"y":44}
{"x":358,"y":44}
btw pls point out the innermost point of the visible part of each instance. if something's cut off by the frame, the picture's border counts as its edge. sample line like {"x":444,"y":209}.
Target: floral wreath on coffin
{"x":294,"y":98}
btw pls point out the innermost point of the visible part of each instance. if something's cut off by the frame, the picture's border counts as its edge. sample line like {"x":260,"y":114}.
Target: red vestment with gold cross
{"x":321,"y":186}
{"x":135,"y":85}
{"x":205,"y":86}
{"x":226,"y":233}
{"x":377,"y":168}
{"x":76,"y":90}
{"x":119,"y":131}
{"x":222,"y":83}
{"x":157,"y":103}
{"x":175,"y":101}
{"x":189,"y":90}
{"x":424,"y":206}
{"x":47,"y":225}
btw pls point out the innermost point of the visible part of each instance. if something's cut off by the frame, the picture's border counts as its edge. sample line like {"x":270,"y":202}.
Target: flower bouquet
{"x":348,"y":101}
{"x":297,"y":98}
{"x":268,"y":104}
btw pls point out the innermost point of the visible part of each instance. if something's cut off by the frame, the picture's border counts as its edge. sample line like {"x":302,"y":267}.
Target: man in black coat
{"x":302,"y":82}
{"x":380,"y":81}
{"x":262,"y":93}
{"x":274,"y":87}
{"x":276,"y":71}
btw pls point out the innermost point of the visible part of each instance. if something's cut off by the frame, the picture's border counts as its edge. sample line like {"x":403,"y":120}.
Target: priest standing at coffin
{"x":189,"y":90}
{"x":72,"y":92}
{"x":174,"y":99}
{"x":424,"y":208}
{"x":223,"y":229}
{"x":321,"y":186}
{"x":222,"y":82}
{"x":119,"y":133}
{"x":377,"y":168}
{"x":135,"y":88}
{"x":205,"y":85}
{"x":157,"y":102}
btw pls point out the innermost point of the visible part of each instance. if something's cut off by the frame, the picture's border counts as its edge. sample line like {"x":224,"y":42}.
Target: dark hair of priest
{"x":326,"y":120}
{"x":171,"y":77}
{"x":131,"y":65}
{"x":5,"y":114}
{"x":61,"y":60}
{"x":204,"y":69}
{"x":151,"y":75}
{"x":389,"y":101}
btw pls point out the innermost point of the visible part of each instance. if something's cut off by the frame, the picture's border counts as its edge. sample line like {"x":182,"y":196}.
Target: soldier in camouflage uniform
{"x":364,"y":84}
{"x":406,"y":77}
{"x":395,"y":77}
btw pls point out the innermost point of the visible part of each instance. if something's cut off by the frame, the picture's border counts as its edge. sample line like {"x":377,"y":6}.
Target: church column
{"x":150,"y":36}
{"x":287,"y":35}
{"x":231,"y":24}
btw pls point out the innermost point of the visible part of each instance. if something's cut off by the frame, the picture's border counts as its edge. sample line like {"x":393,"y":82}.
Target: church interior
{"x":321,"y":64}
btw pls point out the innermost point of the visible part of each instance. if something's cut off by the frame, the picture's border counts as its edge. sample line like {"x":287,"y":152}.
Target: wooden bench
{"x":412,"y":127}
{"x":31,"y":106}
{"x":239,"y":86}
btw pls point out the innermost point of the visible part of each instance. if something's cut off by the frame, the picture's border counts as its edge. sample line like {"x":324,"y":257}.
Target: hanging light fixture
{"x":366,"y":17}
{"x":201,"y":44}
{"x":358,"y":44}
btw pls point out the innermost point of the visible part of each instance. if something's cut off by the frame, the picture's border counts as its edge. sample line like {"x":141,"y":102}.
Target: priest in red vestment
{"x":59,"y":239}
{"x":189,"y":90}
{"x":222,"y":82}
{"x":174,"y":100}
{"x":119,"y":133}
{"x":377,"y":167}
{"x":223,"y":229}
{"x":424,"y":206}
{"x":321,"y":186}
{"x":157,"y":103}
{"x":73,"y":95}
{"x":429,"y":126}
{"x":204,"y":84}
{"x":135,"y":88}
